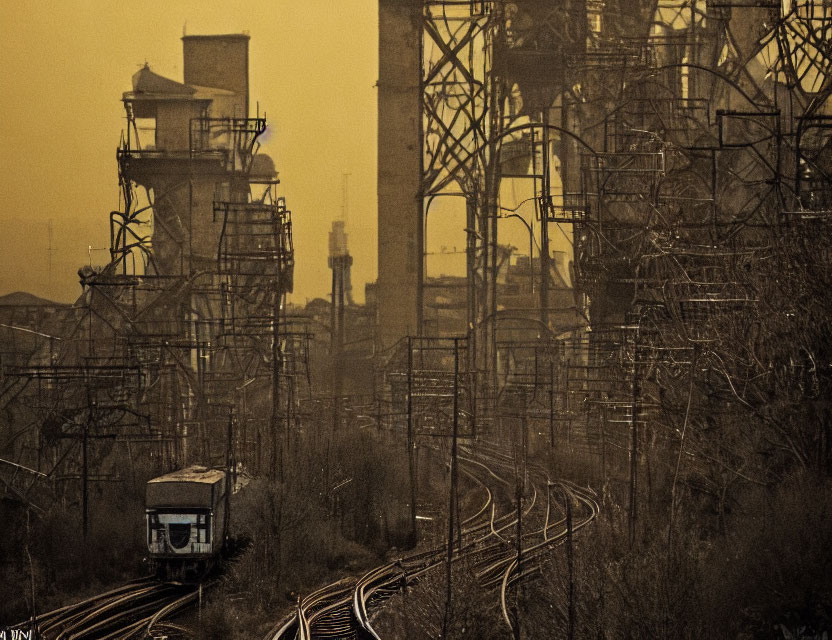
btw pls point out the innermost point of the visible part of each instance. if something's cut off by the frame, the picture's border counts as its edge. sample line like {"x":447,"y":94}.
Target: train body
{"x":186,"y":520}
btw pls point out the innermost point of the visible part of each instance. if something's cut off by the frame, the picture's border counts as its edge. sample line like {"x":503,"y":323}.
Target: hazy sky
{"x":64,"y":66}
{"x":313,"y":67}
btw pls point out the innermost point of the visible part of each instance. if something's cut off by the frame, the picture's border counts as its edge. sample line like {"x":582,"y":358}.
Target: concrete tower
{"x":399,"y":169}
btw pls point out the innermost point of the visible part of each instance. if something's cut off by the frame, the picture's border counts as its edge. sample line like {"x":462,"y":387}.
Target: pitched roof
{"x":146,"y":81}
{"x":193,"y":473}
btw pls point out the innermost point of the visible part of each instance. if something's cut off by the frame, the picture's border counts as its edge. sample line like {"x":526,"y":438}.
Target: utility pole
{"x":33,"y":625}
{"x":552,"y":403}
{"x":545,"y":211}
{"x":334,"y":349}
{"x":563,"y":149}
{"x":85,"y":436}
{"x":520,"y":466}
{"x":410,"y":444}
{"x":452,"y":499}
{"x":275,"y":421}
{"x":566,"y":404}
{"x":633,"y":509}
{"x":342,"y":330}
{"x":228,"y":470}
{"x":681,"y":448}
{"x":84,"y":479}
{"x":339,"y":261}
{"x":339,"y":266}
{"x":570,"y":560}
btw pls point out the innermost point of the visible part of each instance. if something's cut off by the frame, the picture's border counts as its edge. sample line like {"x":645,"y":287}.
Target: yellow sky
{"x":64,"y":66}
{"x":313,"y":64}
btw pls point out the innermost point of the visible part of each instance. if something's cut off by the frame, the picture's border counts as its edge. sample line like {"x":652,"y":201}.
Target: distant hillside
{"x":24,"y":298}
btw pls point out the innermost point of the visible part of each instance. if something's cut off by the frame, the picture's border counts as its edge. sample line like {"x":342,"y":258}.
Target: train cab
{"x":186,"y":521}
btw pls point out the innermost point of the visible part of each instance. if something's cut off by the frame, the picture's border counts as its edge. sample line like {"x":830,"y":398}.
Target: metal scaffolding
{"x":186,"y":327}
{"x":686,"y":147}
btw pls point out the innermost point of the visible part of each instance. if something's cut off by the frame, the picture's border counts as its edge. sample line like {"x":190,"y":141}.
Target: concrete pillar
{"x":399,"y":168}
{"x":220,"y":62}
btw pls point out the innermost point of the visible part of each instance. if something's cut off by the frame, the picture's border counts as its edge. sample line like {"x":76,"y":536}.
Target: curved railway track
{"x":344,"y":608}
{"x":134,"y":610}
{"x":531,"y":556}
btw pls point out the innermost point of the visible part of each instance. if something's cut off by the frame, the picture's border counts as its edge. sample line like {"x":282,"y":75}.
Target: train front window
{"x":203,"y":526}
{"x":180,"y":534}
{"x":154,"y":528}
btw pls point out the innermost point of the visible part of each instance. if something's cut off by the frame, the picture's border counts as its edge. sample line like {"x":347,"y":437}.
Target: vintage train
{"x":187,"y":518}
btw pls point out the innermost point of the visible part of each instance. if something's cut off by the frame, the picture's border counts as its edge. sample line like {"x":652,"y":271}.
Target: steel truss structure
{"x":183,"y":337}
{"x":691,"y":141}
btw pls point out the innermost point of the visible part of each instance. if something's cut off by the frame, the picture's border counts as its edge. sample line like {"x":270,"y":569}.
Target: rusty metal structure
{"x":684,"y":147}
{"x":185,"y":330}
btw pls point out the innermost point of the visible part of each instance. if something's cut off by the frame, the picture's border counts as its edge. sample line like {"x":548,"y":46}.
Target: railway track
{"x":502,"y":569}
{"x":134,"y":610}
{"x":344,"y":609}
{"x":531,"y":556}
{"x":341,"y":610}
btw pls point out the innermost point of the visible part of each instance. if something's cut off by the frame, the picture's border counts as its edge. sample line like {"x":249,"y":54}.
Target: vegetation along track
{"x":343,"y":609}
{"x":133,"y":610}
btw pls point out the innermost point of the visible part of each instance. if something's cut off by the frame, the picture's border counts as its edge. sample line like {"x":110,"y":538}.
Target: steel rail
{"x":532,"y":552}
{"x":117,"y":613}
{"x":343,"y":608}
